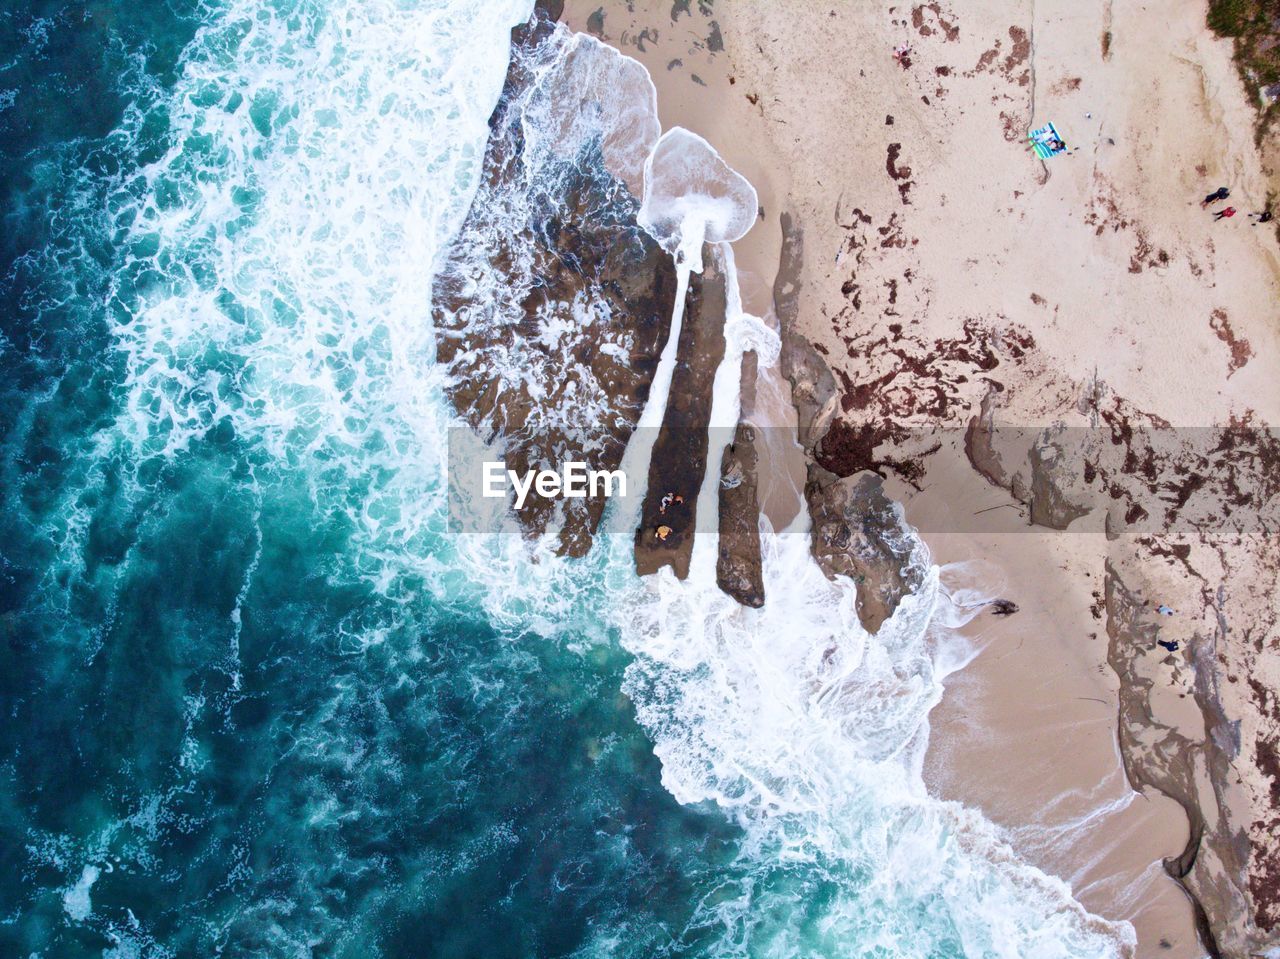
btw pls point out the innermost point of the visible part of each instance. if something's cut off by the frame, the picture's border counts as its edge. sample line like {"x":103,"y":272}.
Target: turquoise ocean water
{"x":256,"y":700}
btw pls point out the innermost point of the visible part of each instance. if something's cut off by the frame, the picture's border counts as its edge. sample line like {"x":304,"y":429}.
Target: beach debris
{"x":1003,"y":607}
{"x":1169,"y":644}
{"x":1164,"y":610}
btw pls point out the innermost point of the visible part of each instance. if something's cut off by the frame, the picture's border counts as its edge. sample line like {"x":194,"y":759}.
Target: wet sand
{"x":1027,"y":730}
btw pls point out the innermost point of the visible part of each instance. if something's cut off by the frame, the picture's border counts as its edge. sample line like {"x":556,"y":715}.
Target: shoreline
{"x":912,"y":327}
{"x":1027,"y":729}
{"x":1162,"y":911}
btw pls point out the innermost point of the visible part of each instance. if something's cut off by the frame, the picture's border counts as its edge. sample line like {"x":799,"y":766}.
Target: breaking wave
{"x":267,"y":308}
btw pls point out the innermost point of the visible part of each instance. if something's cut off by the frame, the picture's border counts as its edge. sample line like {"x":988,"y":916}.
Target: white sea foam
{"x":279,"y":282}
{"x":75,"y":901}
{"x":595,"y":93}
{"x":691,"y":196}
{"x":810,"y":733}
{"x":806,"y":729}
{"x":282,"y":252}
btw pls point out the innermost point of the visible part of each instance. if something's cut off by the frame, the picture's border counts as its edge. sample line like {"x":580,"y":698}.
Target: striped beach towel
{"x":1040,"y":140}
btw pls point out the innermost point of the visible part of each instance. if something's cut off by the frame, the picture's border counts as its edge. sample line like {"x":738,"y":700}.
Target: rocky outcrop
{"x":813,"y":388}
{"x":1049,"y":485}
{"x":552,"y":305}
{"x":669,"y":514}
{"x":1158,"y":753}
{"x":859,"y":532}
{"x":739,"y":570}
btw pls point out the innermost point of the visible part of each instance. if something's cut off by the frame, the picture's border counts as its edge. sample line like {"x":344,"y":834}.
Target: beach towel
{"x":1040,"y":140}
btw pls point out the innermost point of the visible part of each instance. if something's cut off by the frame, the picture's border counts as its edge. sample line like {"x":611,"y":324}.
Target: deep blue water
{"x":194,"y":704}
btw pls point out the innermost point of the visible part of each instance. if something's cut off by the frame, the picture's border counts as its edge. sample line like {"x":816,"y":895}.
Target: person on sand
{"x":1219,"y":194}
{"x":1164,"y":610}
{"x":1229,"y":211}
{"x":902,"y":53}
{"x":1263,"y":217}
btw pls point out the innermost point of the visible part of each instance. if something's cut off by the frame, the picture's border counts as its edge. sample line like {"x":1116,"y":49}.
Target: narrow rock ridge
{"x":668,"y":516}
{"x":1159,"y":756}
{"x":813,"y":388}
{"x":738,"y":563}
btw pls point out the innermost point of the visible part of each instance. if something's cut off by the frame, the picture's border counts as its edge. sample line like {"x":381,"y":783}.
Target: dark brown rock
{"x":552,"y":305}
{"x":738,"y":566}
{"x":679,"y":459}
{"x":857,"y":532}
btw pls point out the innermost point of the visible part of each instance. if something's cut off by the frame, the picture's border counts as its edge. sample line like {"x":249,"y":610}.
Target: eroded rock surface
{"x":1159,"y":754}
{"x":738,"y":565}
{"x":679,"y":460}
{"x":552,"y":305}
{"x":813,"y":388}
{"x":1191,"y":580}
{"x":859,"y":532}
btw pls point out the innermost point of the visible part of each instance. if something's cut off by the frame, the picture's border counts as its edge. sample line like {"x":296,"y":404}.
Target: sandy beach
{"x":939,"y":258}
